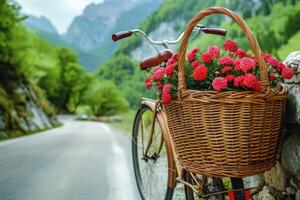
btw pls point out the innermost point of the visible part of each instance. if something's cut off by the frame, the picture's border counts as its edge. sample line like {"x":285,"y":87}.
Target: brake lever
{"x":199,"y":32}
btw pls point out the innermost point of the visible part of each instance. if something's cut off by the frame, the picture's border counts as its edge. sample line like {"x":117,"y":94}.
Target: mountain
{"x":93,"y":28}
{"x":40,"y":23}
{"x":89,"y":34}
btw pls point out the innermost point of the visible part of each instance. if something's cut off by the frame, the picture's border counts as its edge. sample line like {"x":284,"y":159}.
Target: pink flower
{"x":159,"y":86}
{"x":148,"y":79}
{"x":214,"y":51}
{"x":219,"y":84}
{"x":175,"y":56}
{"x":166,"y":96}
{"x":195,"y":64}
{"x":200,"y":73}
{"x":230,"y":45}
{"x":171,"y":61}
{"x":287,"y":73}
{"x":226,"y":69}
{"x":158,"y":73}
{"x":148,"y":85}
{"x":206,"y":57}
{"x":226,"y":60}
{"x":169,"y":69}
{"x":266,"y":57}
{"x":241,"y":53}
{"x":229,"y":77}
{"x":191,"y":57}
{"x":195,"y":50}
{"x":273,"y":61}
{"x":250,"y":81}
{"x":238,"y":81}
{"x":272,"y":76}
{"x":237,"y":65}
{"x":247,"y":64}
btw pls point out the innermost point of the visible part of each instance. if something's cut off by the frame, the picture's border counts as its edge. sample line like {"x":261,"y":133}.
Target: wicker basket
{"x":232,"y":134}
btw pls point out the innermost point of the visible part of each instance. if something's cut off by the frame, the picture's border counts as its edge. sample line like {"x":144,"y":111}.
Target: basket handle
{"x":238,"y":19}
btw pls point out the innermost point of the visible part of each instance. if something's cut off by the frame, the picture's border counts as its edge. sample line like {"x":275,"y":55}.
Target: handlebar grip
{"x":216,"y":31}
{"x":121,"y":35}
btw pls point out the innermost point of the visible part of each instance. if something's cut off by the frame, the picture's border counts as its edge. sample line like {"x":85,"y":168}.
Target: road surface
{"x":78,"y":161}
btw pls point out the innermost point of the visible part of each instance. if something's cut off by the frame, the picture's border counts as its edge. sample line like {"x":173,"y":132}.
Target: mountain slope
{"x":89,"y":35}
{"x":40,"y":23}
{"x":95,"y":25}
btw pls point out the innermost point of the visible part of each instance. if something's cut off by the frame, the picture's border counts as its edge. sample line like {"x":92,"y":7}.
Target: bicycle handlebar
{"x":216,"y":31}
{"x":198,"y":28}
{"x":121,"y":35}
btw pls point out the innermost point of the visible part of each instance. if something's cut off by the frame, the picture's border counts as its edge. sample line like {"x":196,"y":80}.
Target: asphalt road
{"x":79,"y":161}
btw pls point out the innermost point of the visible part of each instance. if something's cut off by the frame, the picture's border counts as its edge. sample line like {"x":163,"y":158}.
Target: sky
{"x":59,"y":12}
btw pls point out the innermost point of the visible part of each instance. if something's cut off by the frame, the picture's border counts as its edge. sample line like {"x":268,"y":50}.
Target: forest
{"x":52,"y":73}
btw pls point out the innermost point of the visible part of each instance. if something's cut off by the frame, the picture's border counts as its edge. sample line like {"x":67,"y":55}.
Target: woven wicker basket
{"x":232,"y":134}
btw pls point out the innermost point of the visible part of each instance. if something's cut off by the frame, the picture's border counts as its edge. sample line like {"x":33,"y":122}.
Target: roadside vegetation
{"x":54,"y":74}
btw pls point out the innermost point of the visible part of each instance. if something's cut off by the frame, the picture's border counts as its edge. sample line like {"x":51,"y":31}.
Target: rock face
{"x":29,"y":118}
{"x":93,"y":28}
{"x":293,"y":103}
{"x":290,"y":155}
{"x":40,"y":23}
{"x":276,"y":177}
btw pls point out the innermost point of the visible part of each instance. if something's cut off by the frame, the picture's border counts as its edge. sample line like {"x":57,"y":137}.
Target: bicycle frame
{"x":175,"y":169}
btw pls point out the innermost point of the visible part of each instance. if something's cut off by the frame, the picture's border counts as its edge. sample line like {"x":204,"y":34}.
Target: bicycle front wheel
{"x":151,"y":169}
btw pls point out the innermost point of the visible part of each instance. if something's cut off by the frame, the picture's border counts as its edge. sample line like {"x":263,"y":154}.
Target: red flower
{"x":200,"y":73}
{"x":175,"y":56}
{"x":158,"y":73}
{"x":241,"y":53}
{"x":148,"y":79}
{"x":266,"y":57}
{"x":160,"y":86}
{"x":214,"y":51}
{"x":191,"y":57}
{"x":230,"y":45}
{"x":230,"y":77}
{"x":272,"y":76}
{"x":148,"y":85}
{"x":237,"y":65}
{"x":273,"y":61}
{"x":247,"y":64}
{"x":195,"y":64}
{"x":171,"y":61}
{"x":195,"y":50}
{"x":226,"y":69}
{"x":166,"y":96}
{"x":238,"y":81}
{"x":206,"y":57}
{"x":219,"y":84}
{"x":280,"y":66}
{"x":169,"y":69}
{"x":226,"y":60}
{"x":287,"y":73}
{"x":250,"y":81}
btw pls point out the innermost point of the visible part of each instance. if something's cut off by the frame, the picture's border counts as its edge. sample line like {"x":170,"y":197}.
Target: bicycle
{"x":156,"y":166}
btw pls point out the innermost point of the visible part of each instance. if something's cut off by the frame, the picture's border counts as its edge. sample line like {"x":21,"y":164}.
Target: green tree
{"x":105,"y":99}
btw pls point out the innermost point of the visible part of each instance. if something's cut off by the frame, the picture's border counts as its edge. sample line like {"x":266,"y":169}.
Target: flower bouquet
{"x":220,"y":69}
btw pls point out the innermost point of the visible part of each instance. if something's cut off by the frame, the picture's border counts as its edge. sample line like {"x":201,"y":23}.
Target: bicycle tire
{"x":168,"y":194}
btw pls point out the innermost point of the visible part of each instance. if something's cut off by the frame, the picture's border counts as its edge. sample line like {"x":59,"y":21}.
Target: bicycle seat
{"x":156,"y":59}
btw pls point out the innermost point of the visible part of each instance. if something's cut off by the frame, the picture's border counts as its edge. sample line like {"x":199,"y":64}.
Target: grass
{"x":126,"y":124}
